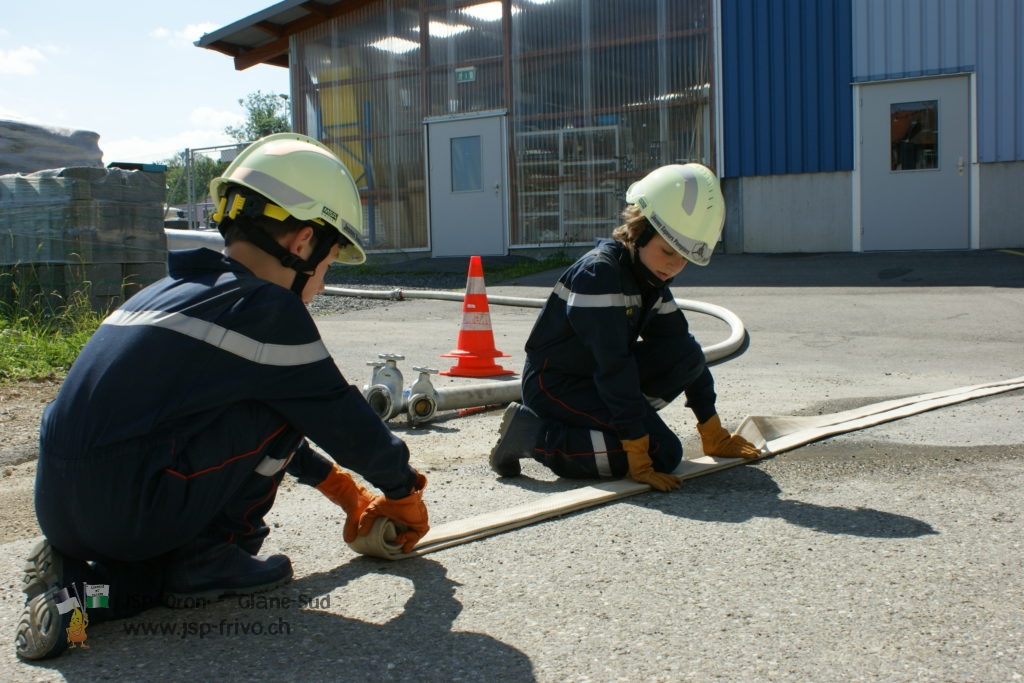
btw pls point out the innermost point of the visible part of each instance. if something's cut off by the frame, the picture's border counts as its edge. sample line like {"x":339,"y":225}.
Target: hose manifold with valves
{"x":384,"y":392}
{"x":423,"y":401}
{"x":422,"y":397}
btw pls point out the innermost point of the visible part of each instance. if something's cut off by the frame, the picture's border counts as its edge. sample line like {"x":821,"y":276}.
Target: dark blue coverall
{"x":180,"y":417}
{"x":607,"y":351}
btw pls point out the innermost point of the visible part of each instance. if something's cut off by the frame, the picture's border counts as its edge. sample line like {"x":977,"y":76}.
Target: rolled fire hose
{"x":191,"y":239}
{"x":723,"y":349}
{"x":438,"y":294}
{"x":772,"y":434}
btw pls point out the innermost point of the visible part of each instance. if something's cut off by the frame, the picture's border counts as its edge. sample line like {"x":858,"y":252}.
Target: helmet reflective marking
{"x":683,"y":202}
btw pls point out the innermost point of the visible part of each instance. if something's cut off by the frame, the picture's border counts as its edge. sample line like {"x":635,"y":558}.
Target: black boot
{"x":42,"y":630}
{"x":252,"y":542}
{"x":210,"y":569}
{"x":517,"y":439}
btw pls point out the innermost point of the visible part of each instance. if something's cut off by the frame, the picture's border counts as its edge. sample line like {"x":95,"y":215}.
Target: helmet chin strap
{"x":325,"y":239}
{"x":253,"y":208}
{"x":299,"y":283}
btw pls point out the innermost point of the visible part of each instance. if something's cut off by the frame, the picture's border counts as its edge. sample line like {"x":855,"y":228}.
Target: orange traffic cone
{"x":476,"y":352}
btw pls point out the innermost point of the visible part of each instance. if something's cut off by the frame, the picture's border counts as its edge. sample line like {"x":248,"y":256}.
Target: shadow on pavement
{"x":307,"y":643}
{"x":744,"y":493}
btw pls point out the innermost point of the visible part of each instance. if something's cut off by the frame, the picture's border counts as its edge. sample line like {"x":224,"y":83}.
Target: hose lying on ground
{"x":773,"y":434}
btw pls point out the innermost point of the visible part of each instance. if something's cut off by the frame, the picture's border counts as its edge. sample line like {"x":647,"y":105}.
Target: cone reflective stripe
{"x":475,"y":352}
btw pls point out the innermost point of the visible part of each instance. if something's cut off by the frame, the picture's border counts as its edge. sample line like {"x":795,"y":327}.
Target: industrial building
{"x":514,"y":126}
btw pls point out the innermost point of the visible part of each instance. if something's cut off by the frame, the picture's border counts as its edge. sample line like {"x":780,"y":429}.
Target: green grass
{"x":40,"y":338}
{"x":558,"y":260}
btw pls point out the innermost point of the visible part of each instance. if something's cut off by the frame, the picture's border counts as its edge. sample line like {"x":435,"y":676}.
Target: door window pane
{"x":466,"y":171}
{"x":914,"y":135}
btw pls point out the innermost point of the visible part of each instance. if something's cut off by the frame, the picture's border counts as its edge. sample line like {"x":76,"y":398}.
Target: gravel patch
{"x":327,"y":304}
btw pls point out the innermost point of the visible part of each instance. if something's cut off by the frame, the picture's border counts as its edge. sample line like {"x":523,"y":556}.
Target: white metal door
{"x":915,"y":164}
{"x":467,"y":171}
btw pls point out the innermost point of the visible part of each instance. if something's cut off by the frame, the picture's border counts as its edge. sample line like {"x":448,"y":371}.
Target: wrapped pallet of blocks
{"x":80,"y":231}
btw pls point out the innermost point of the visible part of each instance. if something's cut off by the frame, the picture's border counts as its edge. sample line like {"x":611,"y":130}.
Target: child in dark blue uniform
{"x":611,"y":347}
{"x":165,"y":446}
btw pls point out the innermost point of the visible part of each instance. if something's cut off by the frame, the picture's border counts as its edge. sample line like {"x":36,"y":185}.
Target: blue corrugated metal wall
{"x":786,"y":93}
{"x":1001,"y":81}
{"x":897,"y":39}
{"x":914,"y":38}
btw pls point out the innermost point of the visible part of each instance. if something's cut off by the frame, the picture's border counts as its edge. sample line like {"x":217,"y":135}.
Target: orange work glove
{"x":341,"y":489}
{"x":717,"y":441}
{"x":640,"y":467}
{"x":409,"y":514}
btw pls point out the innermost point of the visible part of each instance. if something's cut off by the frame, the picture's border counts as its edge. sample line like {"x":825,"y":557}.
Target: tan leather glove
{"x":409,"y":514}
{"x":341,"y":489}
{"x":717,"y":441}
{"x":640,"y":467}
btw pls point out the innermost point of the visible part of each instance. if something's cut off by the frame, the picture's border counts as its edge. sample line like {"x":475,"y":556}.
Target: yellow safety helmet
{"x":684,"y":204}
{"x":299,"y":177}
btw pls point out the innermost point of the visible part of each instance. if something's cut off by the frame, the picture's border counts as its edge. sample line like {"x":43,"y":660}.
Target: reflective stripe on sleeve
{"x":577,"y":300}
{"x":666,"y":307}
{"x":223,"y":338}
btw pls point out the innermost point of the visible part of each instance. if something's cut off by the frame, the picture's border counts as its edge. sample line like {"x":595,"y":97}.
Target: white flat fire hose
{"x":772,"y":434}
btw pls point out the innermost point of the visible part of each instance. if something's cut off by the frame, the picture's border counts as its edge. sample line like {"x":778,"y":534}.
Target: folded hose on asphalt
{"x":772,"y":434}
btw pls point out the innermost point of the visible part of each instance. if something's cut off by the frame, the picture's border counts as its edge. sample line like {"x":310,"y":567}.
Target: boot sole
{"x":40,"y":629}
{"x":505,"y":466}
{"x":42,"y":569}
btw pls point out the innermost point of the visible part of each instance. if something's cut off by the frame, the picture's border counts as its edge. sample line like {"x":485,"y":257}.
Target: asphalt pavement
{"x":892,"y":553}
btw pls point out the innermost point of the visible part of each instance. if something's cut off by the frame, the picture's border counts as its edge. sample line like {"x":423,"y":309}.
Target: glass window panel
{"x":914,"y":135}
{"x":467,"y":173}
{"x":601,"y":93}
{"x":358,"y":87}
{"x":450,"y":96}
{"x":461,"y":35}
{"x":604,"y":93}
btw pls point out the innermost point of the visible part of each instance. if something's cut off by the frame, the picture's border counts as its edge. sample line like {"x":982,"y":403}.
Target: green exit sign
{"x":465,"y":75}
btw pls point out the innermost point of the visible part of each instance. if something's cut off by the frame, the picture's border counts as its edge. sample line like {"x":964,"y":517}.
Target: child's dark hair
{"x":634,"y":228}
{"x":233,"y":232}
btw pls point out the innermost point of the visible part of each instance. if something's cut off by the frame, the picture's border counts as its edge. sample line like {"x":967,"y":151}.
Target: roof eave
{"x":263,"y":38}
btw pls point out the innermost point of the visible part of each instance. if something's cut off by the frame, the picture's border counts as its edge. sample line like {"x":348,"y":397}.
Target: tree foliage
{"x":204,"y":169}
{"x":266,"y":113}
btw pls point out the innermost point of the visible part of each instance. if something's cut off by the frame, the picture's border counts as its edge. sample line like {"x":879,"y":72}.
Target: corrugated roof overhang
{"x":262,"y":38}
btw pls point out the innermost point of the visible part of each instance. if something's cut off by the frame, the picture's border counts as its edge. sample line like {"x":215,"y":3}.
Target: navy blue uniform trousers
{"x":142,"y":501}
{"x":577,"y":440}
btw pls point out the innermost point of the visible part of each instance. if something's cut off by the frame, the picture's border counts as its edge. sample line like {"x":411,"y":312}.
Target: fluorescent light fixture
{"x":696,"y":91}
{"x":487,"y":11}
{"x":393,"y":44}
{"x":439,"y":29}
